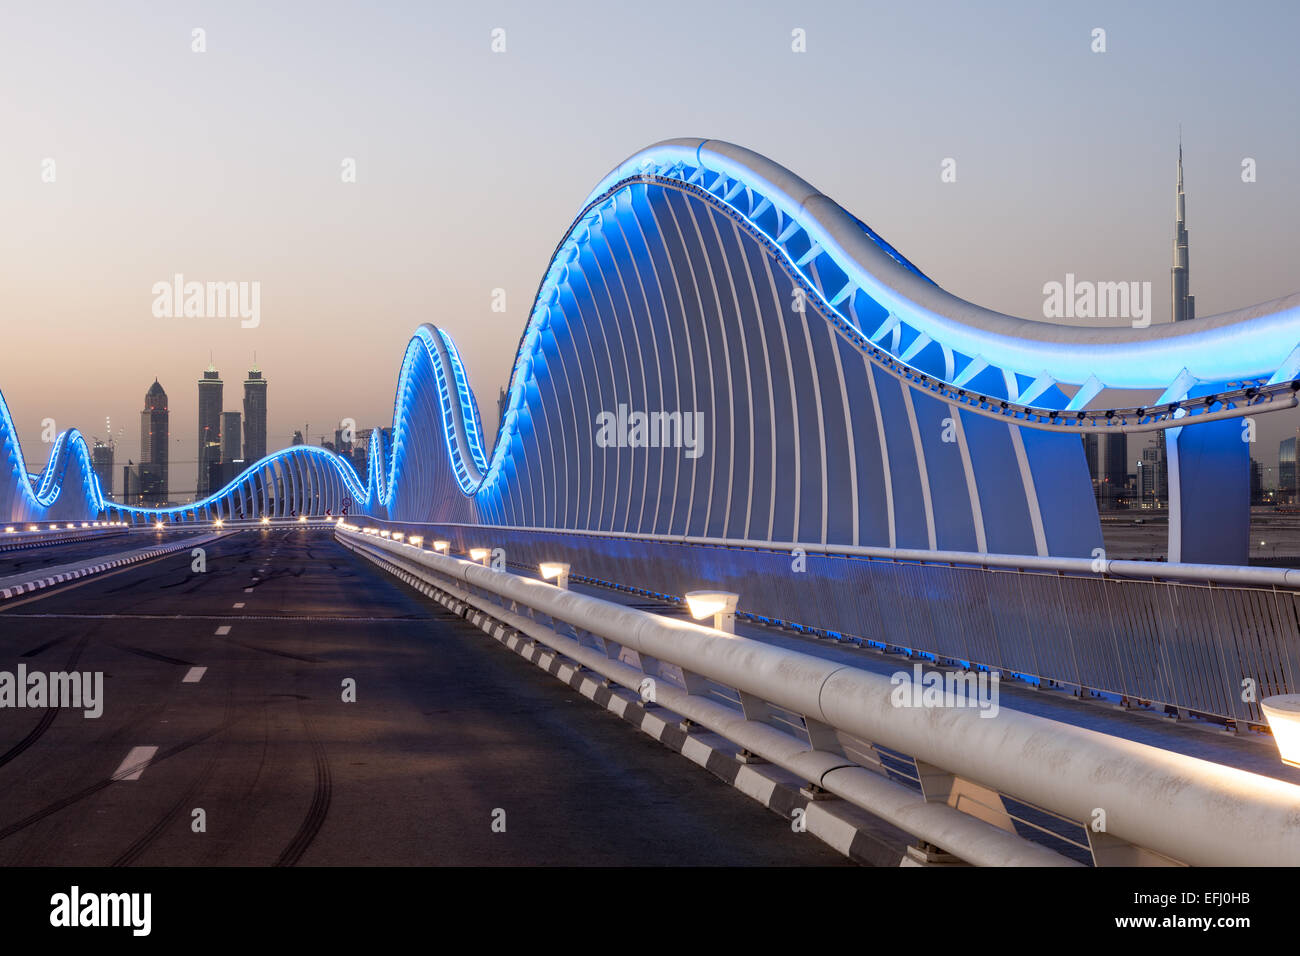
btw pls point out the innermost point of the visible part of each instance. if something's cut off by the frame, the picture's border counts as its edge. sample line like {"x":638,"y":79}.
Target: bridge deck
{"x":447,"y":728}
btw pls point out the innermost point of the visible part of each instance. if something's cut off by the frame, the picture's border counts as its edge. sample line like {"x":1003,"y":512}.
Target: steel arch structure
{"x":296,"y":481}
{"x":848,"y":399}
{"x":718,"y":350}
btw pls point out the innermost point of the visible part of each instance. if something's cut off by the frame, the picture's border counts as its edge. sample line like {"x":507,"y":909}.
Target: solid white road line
{"x":223,"y":630}
{"x":194,"y":675}
{"x":134,"y":763}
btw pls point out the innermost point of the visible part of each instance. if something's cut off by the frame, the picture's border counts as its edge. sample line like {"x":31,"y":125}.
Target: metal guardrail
{"x":989,"y":788}
{"x":1183,"y":636}
{"x":20,"y":535}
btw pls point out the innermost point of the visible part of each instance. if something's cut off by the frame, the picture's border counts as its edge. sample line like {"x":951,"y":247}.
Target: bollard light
{"x":441,"y":546}
{"x":397,"y":536}
{"x":720,"y":604}
{"x":1283,"y":714}
{"x":415,"y":540}
{"x":479,"y":555}
{"x":385,"y":533}
{"x":557,"y":571}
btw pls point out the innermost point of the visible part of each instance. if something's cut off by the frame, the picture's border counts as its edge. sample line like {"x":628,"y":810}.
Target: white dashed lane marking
{"x":223,"y":630}
{"x":194,"y":675}
{"x":133,"y":765}
{"x":239,"y":604}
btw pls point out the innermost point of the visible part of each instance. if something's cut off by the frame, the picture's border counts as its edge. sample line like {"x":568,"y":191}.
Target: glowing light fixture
{"x":265,"y":520}
{"x":158,"y":525}
{"x":218,"y":523}
{"x":720,"y":604}
{"x":441,"y":546}
{"x":1283,"y":713}
{"x":479,"y":555}
{"x":302,"y":519}
{"x":557,"y":571}
{"x":10,"y":529}
{"x":397,"y":536}
{"x":415,"y":540}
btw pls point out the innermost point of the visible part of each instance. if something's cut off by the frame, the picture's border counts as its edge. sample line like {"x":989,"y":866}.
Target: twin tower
{"x":219,"y":432}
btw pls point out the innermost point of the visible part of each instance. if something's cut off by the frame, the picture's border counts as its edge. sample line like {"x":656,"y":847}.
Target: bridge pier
{"x":1209,"y":494}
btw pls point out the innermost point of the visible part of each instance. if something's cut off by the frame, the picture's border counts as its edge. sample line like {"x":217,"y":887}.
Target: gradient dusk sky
{"x":226,"y":166}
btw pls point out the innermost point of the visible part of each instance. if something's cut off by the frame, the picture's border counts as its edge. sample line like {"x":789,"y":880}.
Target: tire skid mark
{"x":50,"y":714}
{"x":147,"y":839}
{"x":41,"y":648}
{"x":320,"y":800}
{"x":78,"y":796}
{"x":152,"y":655}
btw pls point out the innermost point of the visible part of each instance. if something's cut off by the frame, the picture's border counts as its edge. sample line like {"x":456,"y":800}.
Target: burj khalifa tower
{"x":1184,"y":303}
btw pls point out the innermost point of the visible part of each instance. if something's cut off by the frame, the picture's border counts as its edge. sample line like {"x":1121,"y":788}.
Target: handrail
{"x":1100,"y":566}
{"x":1178,"y":807}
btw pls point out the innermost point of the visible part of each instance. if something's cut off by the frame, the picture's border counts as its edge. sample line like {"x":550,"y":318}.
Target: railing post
{"x":1108,"y":850}
{"x":940,"y":786}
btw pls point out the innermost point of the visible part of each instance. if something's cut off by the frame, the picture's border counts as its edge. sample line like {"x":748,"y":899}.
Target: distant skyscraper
{"x":1107,"y":456}
{"x":297,"y":437}
{"x":361,"y":452}
{"x":230,"y":437}
{"x":1286,"y":471}
{"x":154,"y":442}
{"x":1153,"y":476}
{"x":210,"y":392}
{"x":101,"y":458}
{"x":254,"y":416}
{"x":1114,"y":465}
{"x":1184,"y":303}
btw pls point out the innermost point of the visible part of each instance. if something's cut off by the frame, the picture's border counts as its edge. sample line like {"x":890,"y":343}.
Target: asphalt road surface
{"x":22,"y":560}
{"x":449,"y":732}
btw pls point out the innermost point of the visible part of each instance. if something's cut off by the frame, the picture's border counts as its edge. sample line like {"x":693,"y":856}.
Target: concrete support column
{"x":1209,"y":493}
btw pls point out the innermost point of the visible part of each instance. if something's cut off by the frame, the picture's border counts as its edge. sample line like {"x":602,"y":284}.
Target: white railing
{"x":1179,"y":638}
{"x":1135,"y":804}
{"x":26,"y":534}
{"x":1226,"y":575}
